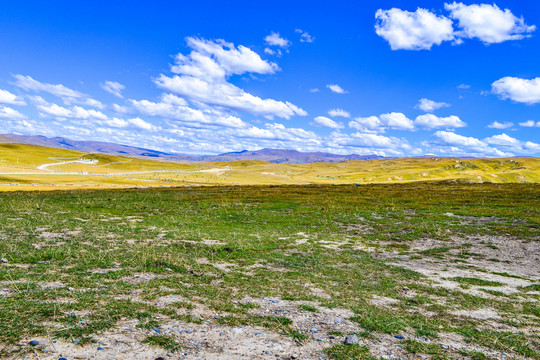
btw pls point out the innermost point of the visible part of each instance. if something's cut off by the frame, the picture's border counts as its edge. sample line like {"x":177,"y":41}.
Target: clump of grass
{"x":417,"y":347}
{"x":308,"y":308}
{"x":348,"y":352}
{"x":163,"y":341}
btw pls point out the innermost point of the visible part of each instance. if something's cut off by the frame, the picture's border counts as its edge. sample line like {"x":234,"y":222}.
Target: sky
{"x":391,"y":78}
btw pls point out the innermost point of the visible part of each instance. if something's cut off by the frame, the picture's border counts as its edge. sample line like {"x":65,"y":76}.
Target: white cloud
{"x":452,"y":143}
{"x":517,"y":89}
{"x":530,"y":123}
{"x":116,"y":122}
{"x":514,"y":145}
{"x":430,"y":121}
{"x":367,"y":124}
{"x":75,"y":112}
{"x":274,"y":39}
{"x":430,"y":105}
{"x":175,"y":108}
{"x":113,"y":87}
{"x":464,"y":86}
{"x":326,"y":122}
{"x":144,"y":125}
{"x":11,"y":99}
{"x":339,"y":112}
{"x":498,"y":125}
{"x":418,"y":30}
{"x":336,"y":89}
{"x":276,"y":52}
{"x":304,"y":36}
{"x":396,"y":121}
{"x":488,"y":23}
{"x":314,"y":90}
{"x":204,"y":72}
{"x":9,"y":113}
{"x":68,"y":95}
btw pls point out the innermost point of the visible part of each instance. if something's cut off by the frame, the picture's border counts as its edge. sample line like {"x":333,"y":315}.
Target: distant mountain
{"x":278,"y":156}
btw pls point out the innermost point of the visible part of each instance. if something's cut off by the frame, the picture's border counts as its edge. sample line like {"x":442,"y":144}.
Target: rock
{"x":160,"y":358}
{"x":398,"y":337}
{"x":314,"y":330}
{"x":33,"y":342}
{"x":62,"y":358}
{"x":294,"y":356}
{"x":100,"y":348}
{"x":4,"y":260}
{"x":157,"y":330}
{"x":351,"y":339}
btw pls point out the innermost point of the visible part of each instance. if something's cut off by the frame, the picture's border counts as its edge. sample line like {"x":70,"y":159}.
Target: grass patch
{"x":475,"y":281}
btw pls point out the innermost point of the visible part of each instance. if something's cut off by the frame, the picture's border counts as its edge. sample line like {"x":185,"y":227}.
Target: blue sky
{"x":394,"y":78}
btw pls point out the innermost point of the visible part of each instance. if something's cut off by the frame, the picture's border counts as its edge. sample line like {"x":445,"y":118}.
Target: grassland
{"x":435,"y":270}
{"x":28,"y":167}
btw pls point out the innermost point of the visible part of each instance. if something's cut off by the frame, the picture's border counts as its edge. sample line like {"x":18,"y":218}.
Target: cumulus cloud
{"x":274,"y":39}
{"x":113,"y":87}
{"x":304,"y":36}
{"x":452,"y":143}
{"x":11,"y":99}
{"x":367,"y":124}
{"x":418,"y":30}
{"x":430,"y":121}
{"x":488,"y":23}
{"x":336,"y":89}
{"x":430,"y":105}
{"x":517,"y":89}
{"x":498,"y":125}
{"x":314,"y":90}
{"x":75,"y":112}
{"x":509,"y":143}
{"x":69,"y":96}
{"x":142,"y":124}
{"x":396,"y":121}
{"x":530,"y":123}
{"x":326,"y":122}
{"x":175,"y":108}
{"x":9,"y":113}
{"x":464,"y":86}
{"x":339,"y":112}
{"x":203,"y":74}
{"x":421,"y":29}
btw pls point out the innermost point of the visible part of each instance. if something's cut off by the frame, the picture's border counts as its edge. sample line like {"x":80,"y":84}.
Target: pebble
{"x":319,"y":339}
{"x":62,"y":358}
{"x":4,"y":260}
{"x":314,"y":330}
{"x":100,"y":348}
{"x":398,"y":336}
{"x":294,"y":356}
{"x":76,"y":341}
{"x":157,"y":330}
{"x":351,"y":339}
{"x":34,"y":343}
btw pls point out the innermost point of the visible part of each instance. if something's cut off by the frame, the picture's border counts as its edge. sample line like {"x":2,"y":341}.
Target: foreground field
{"x":29,"y":167}
{"x":418,"y":270}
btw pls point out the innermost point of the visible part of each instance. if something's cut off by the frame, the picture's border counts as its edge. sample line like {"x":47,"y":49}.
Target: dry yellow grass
{"x":29,"y":167}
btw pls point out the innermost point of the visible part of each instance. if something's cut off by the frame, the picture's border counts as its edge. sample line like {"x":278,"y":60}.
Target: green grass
{"x":119,"y":254}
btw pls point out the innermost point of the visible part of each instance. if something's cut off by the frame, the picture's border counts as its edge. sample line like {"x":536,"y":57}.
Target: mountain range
{"x":278,"y":156}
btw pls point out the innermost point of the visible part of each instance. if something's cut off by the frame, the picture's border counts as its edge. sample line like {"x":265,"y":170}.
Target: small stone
{"x":314,"y":330}
{"x":76,"y":341}
{"x":4,"y":260}
{"x":157,"y":330}
{"x":351,"y":339}
{"x":259,"y":333}
{"x":331,"y":337}
{"x":62,"y":358}
{"x":319,"y":339}
{"x":398,"y":337}
{"x":100,"y":348}
{"x":160,"y":358}
{"x":294,"y":356}
{"x":34,"y":343}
